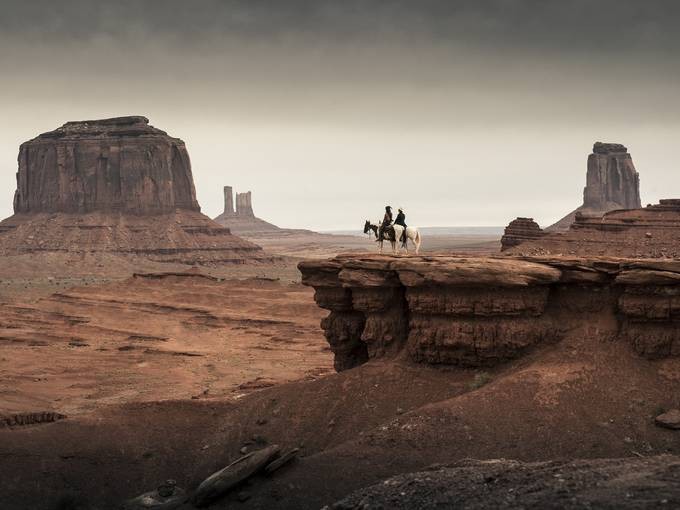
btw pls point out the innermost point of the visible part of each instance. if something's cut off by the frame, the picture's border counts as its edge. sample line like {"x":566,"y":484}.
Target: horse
{"x":412,"y":233}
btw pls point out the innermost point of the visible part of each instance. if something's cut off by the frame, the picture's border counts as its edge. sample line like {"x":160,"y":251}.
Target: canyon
{"x":142,"y":343}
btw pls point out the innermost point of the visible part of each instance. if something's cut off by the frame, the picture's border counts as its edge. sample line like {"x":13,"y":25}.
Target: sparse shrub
{"x":480,"y":379}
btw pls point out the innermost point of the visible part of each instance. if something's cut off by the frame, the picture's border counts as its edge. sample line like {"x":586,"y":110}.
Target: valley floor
{"x":174,"y":373}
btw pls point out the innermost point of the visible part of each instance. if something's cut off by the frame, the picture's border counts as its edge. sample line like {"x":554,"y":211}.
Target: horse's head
{"x":367,"y":226}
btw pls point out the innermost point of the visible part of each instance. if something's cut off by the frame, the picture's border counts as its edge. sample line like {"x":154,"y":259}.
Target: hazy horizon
{"x":464,"y":114}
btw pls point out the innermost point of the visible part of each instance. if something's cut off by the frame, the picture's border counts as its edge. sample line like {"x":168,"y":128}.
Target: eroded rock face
{"x":611,"y":179}
{"x":244,"y":204}
{"x":484,"y":311}
{"x":650,"y":232}
{"x":116,"y":165}
{"x":520,"y":230}
{"x":611,"y":183}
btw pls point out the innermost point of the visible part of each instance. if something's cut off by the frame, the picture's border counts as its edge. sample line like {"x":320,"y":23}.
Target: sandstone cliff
{"x":114,"y":185}
{"x":484,"y":311}
{"x":611,"y":183}
{"x":119,"y":165}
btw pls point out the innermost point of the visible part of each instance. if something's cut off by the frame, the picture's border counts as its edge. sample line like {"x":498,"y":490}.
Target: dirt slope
{"x":575,"y":399}
{"x":605,"y":484}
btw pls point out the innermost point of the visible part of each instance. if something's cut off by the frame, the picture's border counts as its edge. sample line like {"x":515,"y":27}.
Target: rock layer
{"x":650,"y":232}
{"x":518,"y":231}
{"x":611,"y":183}
{"x":484,"y":311}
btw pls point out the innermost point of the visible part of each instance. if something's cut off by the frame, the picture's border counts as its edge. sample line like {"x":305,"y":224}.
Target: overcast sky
{"x":464,"y":112}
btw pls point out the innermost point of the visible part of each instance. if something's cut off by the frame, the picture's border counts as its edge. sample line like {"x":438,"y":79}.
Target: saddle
{"x":388,"y":233}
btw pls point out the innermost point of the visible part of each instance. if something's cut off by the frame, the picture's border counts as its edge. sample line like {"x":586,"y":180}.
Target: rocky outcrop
{"x":244,"y":204}
{"x":228,"y":201}
{"x":484,"y":311}
{"x":183,"y":237}
{"x":647,"y":482}
{"x":611,"y":179}
{"x":611,"y":183}
{"x":115,"y":165}
{"x":114,"y":185}
{"x":518,"y":231}
{"x":650,"y":232}
{"x":242,"y":219}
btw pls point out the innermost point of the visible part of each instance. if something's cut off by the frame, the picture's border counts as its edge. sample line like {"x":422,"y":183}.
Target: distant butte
{"x":239,"y":217}
{"x":610,"y":221}
{"x":611,"y":183}
{"x":114,"y":185}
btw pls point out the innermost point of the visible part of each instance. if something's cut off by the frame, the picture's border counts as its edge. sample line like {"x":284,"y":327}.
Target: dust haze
{"x":464,"y":114}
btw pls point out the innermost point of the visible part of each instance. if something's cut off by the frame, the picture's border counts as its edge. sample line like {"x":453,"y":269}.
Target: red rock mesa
{"x":114,"y":185}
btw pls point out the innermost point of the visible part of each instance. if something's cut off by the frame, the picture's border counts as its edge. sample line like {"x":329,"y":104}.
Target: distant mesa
{"x":114,"y":185}
{"x":116,"y":165}
{"x":611,"y":183}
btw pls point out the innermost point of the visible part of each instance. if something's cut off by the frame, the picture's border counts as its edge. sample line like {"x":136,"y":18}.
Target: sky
{"x":463,"y":112}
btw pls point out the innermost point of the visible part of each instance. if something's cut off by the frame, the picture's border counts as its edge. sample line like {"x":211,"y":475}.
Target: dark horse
{"x":368,"y":226}
{"x":388,"y":234}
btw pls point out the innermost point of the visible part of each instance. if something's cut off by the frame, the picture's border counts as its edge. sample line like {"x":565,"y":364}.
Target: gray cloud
{"x":485,"y":101}
{"x":597,"y":25}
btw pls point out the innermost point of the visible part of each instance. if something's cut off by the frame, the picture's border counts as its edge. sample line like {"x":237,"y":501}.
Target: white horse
{"x":411,"y":233}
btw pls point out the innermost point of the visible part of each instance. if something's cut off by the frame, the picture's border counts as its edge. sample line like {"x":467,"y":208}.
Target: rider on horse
{"x":401,"y":220}
{"x":386,"y":224}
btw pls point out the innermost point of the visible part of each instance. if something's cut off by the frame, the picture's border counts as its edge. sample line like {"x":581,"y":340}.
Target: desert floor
{"x":140,"y":372}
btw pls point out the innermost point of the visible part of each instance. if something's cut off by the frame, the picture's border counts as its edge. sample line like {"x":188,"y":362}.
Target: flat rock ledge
{"x":482,"y":311}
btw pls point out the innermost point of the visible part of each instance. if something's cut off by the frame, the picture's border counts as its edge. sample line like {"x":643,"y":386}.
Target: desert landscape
{"x":157,"y":355}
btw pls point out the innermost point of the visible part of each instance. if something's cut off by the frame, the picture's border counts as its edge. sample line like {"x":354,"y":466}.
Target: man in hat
{"x":401,"y":220}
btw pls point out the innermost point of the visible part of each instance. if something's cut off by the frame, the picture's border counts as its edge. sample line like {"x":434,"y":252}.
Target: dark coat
{"x":387,"y":219}
{"x":401,"y":220}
